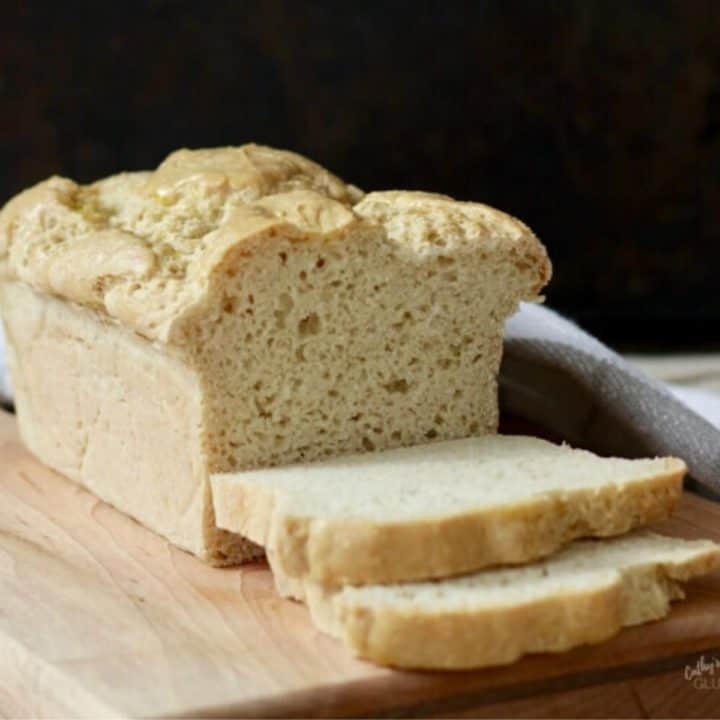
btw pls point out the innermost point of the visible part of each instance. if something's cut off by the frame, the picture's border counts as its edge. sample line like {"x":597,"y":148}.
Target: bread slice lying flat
{"x":440,"y":509}
{"x":584,"y":594}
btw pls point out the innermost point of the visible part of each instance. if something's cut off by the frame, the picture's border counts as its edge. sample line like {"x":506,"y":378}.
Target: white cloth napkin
{"x":5,"y":390}
{"x":560,"y":378}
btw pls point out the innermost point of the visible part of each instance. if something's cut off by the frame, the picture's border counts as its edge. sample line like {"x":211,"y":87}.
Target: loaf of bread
{"x":437,"y":510}
{"x":241,"y":308}
{"x":584,"y":594}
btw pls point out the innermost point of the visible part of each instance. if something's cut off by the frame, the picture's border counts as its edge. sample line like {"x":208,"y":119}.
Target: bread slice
{"x":584,"y":594}
{"x":439,"y":509}
{"x":243,"y":307}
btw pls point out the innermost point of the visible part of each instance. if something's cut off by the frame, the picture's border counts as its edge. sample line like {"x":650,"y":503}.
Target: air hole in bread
{"x":309,"y":325}
{"x":397,"y":386}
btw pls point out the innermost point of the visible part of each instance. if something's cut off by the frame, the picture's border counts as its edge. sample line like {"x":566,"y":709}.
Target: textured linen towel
{"x":557,"y":376}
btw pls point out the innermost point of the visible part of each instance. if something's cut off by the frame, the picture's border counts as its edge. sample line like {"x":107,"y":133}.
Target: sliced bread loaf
{"x":243,"y":307}
{"x":584,"y":594}
{"x":440,"y":509}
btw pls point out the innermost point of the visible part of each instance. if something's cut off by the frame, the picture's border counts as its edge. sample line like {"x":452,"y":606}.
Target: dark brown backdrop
{"x":596,"y":121}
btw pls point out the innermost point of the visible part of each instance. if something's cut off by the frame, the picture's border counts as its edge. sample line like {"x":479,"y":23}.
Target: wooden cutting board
{"x":100,"y":617}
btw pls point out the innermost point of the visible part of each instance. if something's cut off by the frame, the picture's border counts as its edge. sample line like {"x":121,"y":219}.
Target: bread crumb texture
{"x":319,"y":320}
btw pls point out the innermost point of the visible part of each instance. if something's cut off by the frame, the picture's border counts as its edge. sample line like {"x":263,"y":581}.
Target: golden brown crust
{"x":142,"y":248}
{"x":333,"y":552}
{"x":490,"y":636}
{"x":254,"y":170}
{"x":423,"y":221}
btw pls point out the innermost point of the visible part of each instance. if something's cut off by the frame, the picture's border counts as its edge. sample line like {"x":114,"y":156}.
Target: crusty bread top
{"x":142,"y":247}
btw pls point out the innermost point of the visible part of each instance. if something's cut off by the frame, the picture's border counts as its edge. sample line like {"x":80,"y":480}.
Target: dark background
{"x":597,"y":121}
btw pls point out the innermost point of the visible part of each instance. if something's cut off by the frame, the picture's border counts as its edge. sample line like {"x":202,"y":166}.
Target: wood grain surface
{"x":100,"y":617}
